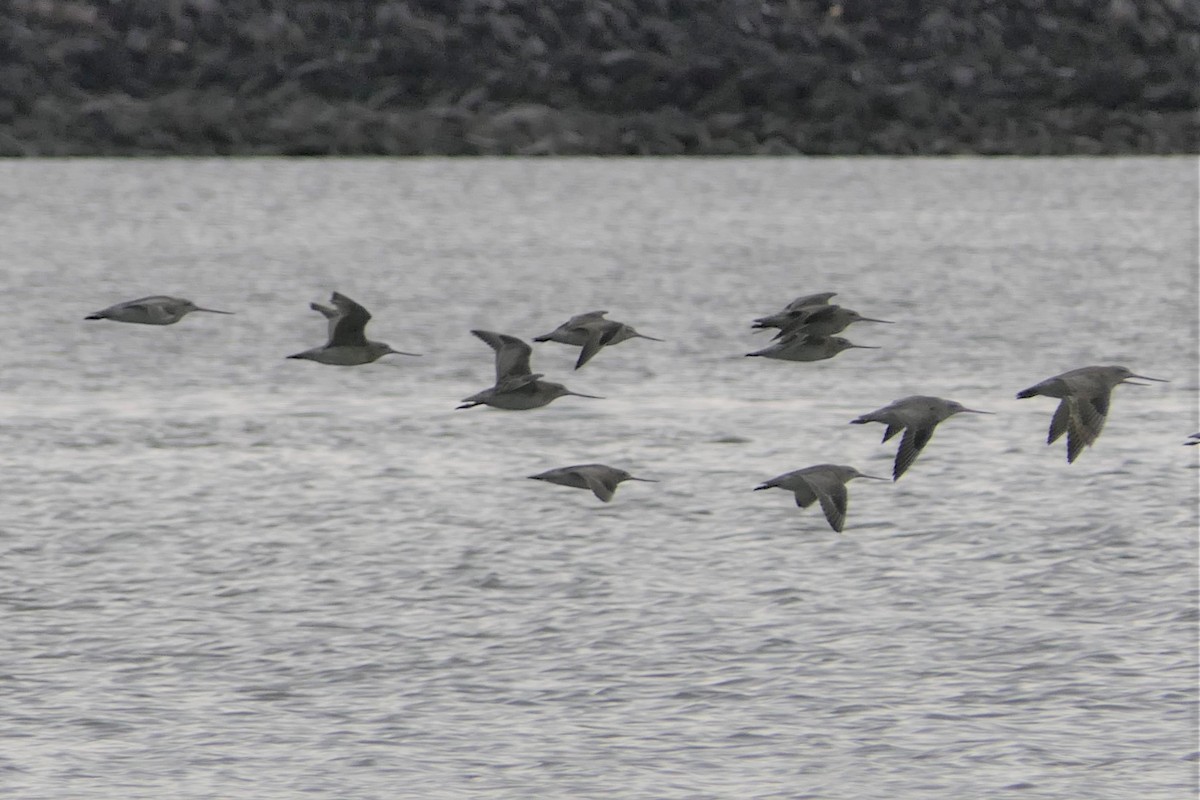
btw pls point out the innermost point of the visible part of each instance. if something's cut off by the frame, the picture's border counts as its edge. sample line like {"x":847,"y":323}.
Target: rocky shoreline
{"x":602,"y":77}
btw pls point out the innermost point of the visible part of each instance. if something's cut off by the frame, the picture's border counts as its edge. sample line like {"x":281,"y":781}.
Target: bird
{"x":1193,"y":439}
{"x":516,"y":387}
{"x":800,"y":347}
{"x":348,"y":345}
{"x":823,"y":482}
{"x":1085,"y":393}
{"x":917,"y":416}
{"x":793,"y":309}
{"x":824,"y":320}
{"x":600,"y":478}
{"x":158,"y":309}
{"x":591,"y":331}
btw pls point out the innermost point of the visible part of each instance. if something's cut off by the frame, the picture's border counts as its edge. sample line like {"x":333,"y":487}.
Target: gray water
{"x":228,"y":574}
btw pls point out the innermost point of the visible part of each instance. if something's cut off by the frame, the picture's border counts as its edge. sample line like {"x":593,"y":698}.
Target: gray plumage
{"x":799,"y":347}
{"x":601,"y":479}
{"x":825,"y":483}
{"x":792,"y":310}
{"x":348,"y":345}
{"x":1086,"y":394}
{"x":824,"y":320}
{"x":917,"y":416}
{"x":158,"y":309}
{"x":517,"y":388}
{"x":591,"y":331}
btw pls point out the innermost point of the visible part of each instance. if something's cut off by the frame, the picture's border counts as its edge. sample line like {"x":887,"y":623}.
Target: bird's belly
{"x":343,"y":356}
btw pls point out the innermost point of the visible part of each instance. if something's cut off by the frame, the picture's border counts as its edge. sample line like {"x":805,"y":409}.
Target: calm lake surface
{"x":228,"y":574}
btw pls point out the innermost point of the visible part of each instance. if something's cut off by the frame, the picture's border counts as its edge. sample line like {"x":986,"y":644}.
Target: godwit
{"x":1085,"y":394}
{"x":156,"y":310}
{"x":823,"y":482}
{"x":516,"y":387}
{"x":917,"y":416}
{"x":348,"y":345}
{"x":600,"y":478}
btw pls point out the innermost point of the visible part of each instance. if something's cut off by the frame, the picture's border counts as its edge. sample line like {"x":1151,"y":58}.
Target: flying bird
{"x":600,"y":478}
{"x":158,"y":309}
{"x":348,"y":345}
{"x":801,"y":347}
{"x":917,"y":416}
{"x":591,"y":331}
{"x":1085,"y":394}
{"x":824,"y":320}
{"x":793,"y":309}
{"x":825,"y":483}
{"x":517,"y":388}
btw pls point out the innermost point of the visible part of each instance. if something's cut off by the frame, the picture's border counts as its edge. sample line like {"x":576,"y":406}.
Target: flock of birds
{"x":806,"y":332}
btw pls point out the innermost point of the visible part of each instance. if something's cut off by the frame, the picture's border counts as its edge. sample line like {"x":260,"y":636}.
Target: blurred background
{"x":662,"y":77}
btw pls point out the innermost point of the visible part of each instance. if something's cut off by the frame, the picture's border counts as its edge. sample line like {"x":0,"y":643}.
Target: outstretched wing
{"x":914,"y":440}
{"x":832,"y":494}
{"x":1084,"y":419}
{"x":1060,"y":421}
{"x":598,"y":337}
{"x":512,"y":354}
{"x":348,"y":329}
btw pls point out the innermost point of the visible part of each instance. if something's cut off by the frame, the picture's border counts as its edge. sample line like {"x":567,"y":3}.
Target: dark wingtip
{"x":1026,"y":393}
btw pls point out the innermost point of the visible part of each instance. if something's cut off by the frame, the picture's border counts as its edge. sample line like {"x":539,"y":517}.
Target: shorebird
{"x":348,"y":344}
{"x":591,"y":331}
{"x":516,"y":387}
{"x":601,"y":479}
{"x":156,"y":310}
{"x":824,"y":482}
{"x":1085,"y":395}
{"x":792,"y":310}
{"x":917,"y":416}
{"x":799,"y":347}
{"x":824,"y":321}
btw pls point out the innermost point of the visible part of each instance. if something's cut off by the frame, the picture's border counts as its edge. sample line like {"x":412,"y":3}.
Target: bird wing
{"x":584,"y":318}
{"x":598,"y":336}
{"x":1060,"y":421}
{"x":331,"y":314}
{"x":794,"y":325}
{"x":820,"y":298}
{"x":603,"y":489}
{"x":1085,"y":420}
{"x":805,"y":496}
{"x":516,"y":383}
{"x":1093,"y":410}
{"x":348,"y":329}
{"x":914,"y":440}
{"x":512,"y":354}
{"x":832,"y":494}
